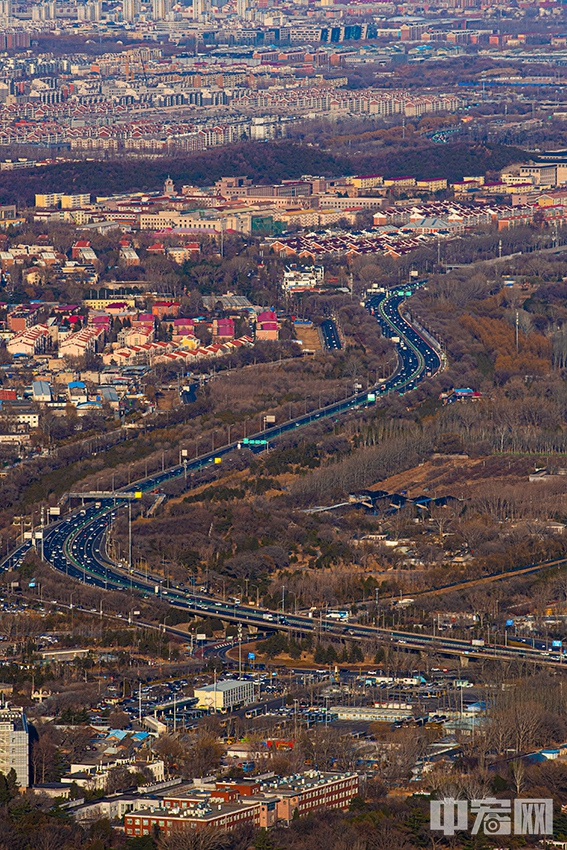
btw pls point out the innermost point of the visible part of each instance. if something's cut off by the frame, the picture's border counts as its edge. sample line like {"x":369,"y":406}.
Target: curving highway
{"x":75,"y":544}
{"x":417,"y":358}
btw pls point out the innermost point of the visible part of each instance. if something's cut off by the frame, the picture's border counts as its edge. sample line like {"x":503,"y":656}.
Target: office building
{"x":226,"y":695}
{"x":305,"y":792}
{"x":14,"y":744}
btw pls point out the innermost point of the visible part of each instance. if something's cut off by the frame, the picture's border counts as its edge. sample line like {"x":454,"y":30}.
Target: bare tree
{"x":518,"y":771}
{"x":204,"y":839}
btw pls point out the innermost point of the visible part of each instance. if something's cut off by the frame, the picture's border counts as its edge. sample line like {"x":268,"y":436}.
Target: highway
{"x":417,"y":358}
{"x":331,"y":336}
{"x":75,"y":544}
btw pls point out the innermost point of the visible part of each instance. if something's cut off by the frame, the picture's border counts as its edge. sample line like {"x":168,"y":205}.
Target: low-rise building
{"x":267,"y":326}
{"x":229,"y":804}
{"x":223,"y":329}
{"x":204,"y":814}
{"x":434,"y":184}
{"x":312,"y":790}
{"x":41,"y":391}
{"x":225,"y":695}
{"x":302,"y":277}
{"x":32,"y":341}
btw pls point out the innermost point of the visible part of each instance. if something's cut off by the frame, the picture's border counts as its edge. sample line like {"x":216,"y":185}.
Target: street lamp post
{"x":130,"y":538}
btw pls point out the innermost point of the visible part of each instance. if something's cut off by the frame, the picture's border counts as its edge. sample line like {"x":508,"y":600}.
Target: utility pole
{"x":130,"y":539}
{"x":240,"y":650}
{"x":517,"y":331}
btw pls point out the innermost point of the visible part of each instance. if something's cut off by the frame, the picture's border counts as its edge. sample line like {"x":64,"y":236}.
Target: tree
{"x":118,"y":720}
{"x":204,"y":755}
{"x":119,"y":779}
{"x":518,"y":771}
{"x":8,"y":786}
{"x":204,"y":839}
{"x":44,"y":759}
{"x":264,"y":839}
{"x":170,"y":749}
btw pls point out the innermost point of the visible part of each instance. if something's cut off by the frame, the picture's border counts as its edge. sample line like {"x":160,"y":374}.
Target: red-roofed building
{"x":144,"y":320}
{"x":223,"y":329}
{"x":267,"y":326}
{"x":79,"y":245}
{"x":183,"y":327}
{"x":165,"y":308}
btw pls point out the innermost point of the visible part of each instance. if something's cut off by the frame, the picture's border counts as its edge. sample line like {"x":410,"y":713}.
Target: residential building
{"x":84,"y":341}
{"x":367,"y":181}
{"x":434,"y":184}
{"x":32,"y":341}
{"x":229,"y":804}
{"x":15,"y":413}
{"x":160,"y":309}
{"x":77,"y":392}
{"x":267,"y":326}
{"x":302,"y":277}
{"x":223,"y":329}
{"x":128,"y":256}
{"x":400,"y":182}
{"x":60,"y":199}
{"x":21,"y":319}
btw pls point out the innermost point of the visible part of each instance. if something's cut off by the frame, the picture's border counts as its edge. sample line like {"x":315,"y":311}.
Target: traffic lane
{"x":331,"y":335}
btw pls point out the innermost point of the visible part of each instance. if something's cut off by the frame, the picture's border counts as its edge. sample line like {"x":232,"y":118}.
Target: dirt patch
{"x":457,"y":476}
{"x":309,"y":337}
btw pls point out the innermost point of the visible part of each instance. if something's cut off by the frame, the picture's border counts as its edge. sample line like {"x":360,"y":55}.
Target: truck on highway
{"x":477,"y":642}
{"x":267,"y":616}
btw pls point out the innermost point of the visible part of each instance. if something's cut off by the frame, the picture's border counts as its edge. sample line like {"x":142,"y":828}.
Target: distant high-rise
{"x":89,"y":11}
{"x":45,"y":12}
{"x":160,"y":9}
{"x":241,"y":8}
{"x":201,"y":10}
{"x":130,"y":10}
{"x":6,"y":9}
